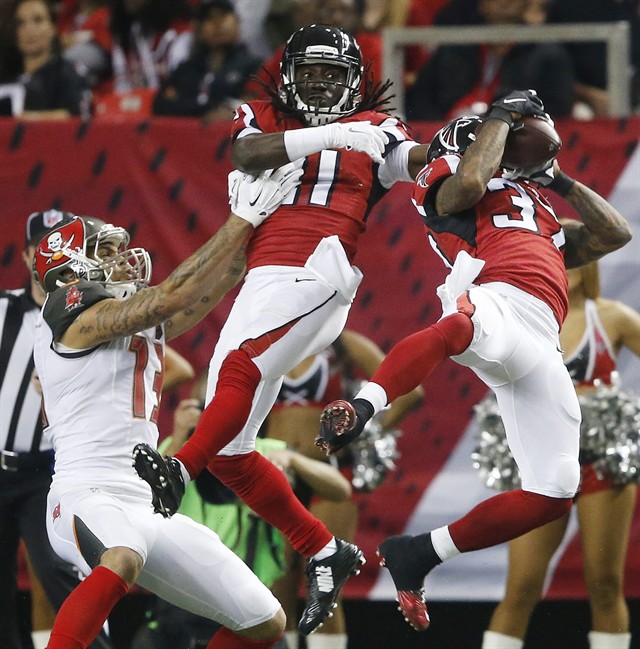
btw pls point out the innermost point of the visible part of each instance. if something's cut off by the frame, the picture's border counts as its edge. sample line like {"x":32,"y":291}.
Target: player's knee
{"x":563,"y":476}
{"x":238,"y":370}
{"x":125,"y":562}
{"x":457,"y":331}
{"x":270,"y":630}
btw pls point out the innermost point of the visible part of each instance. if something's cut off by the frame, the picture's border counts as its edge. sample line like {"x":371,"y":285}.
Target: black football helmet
{"x":321,"y":44}
{"x":73,"y":246}
{"x":454,"y":137}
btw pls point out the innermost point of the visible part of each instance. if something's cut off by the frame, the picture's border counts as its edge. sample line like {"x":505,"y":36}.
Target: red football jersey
{"x":513,"y":229}
{"x":338,"y":190}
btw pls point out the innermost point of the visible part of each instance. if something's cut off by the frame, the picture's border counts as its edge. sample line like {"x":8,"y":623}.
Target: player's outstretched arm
{"x":601,"y":229}
{"x":195,"y":286}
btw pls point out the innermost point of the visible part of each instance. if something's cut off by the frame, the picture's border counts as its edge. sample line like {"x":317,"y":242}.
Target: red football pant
{"x":225,"y":415}
{"x":265,"y":488}
{"x":412,"y":359}
{"x":505,"y":517}
{"x":258,"y":482}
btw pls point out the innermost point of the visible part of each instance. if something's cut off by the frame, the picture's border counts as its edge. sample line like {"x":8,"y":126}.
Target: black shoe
{"x":163,"y":476}
{"x":325,"y":579}
{"x":398,"y":556}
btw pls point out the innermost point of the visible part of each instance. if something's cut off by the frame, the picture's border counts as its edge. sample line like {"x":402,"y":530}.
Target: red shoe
{"x":338,"y":426}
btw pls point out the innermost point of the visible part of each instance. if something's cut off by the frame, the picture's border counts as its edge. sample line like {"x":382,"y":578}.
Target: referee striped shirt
{"x":20,"y":424}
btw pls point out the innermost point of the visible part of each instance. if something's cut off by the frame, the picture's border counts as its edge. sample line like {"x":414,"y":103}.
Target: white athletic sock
{"x":328,"y":550}
{"x":443,"y":543}
{"x":375,"y":395}
{"x":183,"y":470}
{"x":493,"y":640}
{"x":40,"y":638}
{"x":327,"y":641}
{"x":599,"y":640}
{"x":291,"y":638}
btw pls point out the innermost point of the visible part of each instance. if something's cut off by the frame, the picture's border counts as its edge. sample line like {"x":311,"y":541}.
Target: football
{"x":531,"y":143}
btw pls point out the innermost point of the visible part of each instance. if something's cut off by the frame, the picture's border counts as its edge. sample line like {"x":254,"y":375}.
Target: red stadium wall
{"x":165,"y":181}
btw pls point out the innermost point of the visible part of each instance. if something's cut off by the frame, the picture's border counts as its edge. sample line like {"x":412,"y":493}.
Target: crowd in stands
{"x":200,"y":58}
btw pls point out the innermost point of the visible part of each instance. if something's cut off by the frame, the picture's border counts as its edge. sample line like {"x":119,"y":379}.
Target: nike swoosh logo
{"x":304,"y":279}
{"x":252,"y":203}
{"x":512,"y":101}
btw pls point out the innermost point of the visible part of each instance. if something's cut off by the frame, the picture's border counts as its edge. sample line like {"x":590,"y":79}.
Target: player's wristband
{"x":561,"y":184}
{"x":300,"y":143}
{"x":497,"y":112}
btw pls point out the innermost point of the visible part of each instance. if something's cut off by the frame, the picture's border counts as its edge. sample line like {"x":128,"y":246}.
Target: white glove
{"x":358,"y":136}
{"x":255,"y":198}
{"x":543,"y":175}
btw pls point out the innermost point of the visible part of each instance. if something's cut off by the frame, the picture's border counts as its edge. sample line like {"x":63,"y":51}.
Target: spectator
{"x":211,"y":81}
{"x":150,"y":38}
{"x":85,"y":36}
{"x":253,"y":26}
{"x":594,"y":332}
{"x":465,"y":79}
{"x":26,"y":456}
{"x":48,"y":86}
{"x":589,"y":58}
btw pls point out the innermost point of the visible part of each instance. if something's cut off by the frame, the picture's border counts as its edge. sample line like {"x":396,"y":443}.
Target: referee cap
{"x":39,"y":223}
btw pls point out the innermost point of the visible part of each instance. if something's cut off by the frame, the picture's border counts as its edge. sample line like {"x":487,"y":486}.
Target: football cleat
{"x":396,"y":555}
{"x":325,"y":579}
{"x":164,"y":477}
{"x":339,"y":425}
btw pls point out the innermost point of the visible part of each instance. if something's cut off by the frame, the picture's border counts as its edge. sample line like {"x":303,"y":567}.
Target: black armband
{"x":561,"y":184}
{"x":497,"y":112}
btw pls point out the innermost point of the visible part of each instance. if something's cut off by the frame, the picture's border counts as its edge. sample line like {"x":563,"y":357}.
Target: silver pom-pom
{"x":609,"y":438}
{"x":492,"y":457}
{"x":610,"y":432}
{"x":373,"y":455}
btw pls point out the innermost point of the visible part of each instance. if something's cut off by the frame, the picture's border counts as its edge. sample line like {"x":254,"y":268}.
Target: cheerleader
{"x":594,"y":332}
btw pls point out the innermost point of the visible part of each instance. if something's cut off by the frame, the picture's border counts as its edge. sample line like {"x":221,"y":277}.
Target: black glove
{"x":525,"y":102}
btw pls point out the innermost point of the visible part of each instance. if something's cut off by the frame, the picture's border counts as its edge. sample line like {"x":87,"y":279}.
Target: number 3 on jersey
{"x":142,"y":348}
{"x":526,"y":209}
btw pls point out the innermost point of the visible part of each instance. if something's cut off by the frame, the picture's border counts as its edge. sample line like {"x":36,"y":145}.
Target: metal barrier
{"x":615,"y":35}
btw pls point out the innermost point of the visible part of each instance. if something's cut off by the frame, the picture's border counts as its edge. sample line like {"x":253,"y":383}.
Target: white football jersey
{"x":100,"y":402}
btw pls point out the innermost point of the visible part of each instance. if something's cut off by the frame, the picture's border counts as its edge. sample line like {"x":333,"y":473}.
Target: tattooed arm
{"x":601,"y":230}
{"x":189,"y":292}
{"x":480,"y":161}
{"x":184,"y":320}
